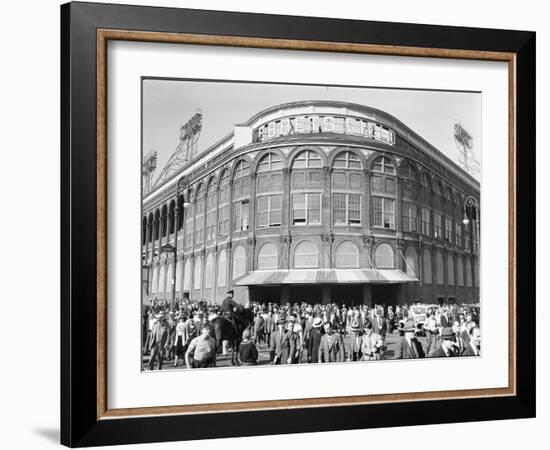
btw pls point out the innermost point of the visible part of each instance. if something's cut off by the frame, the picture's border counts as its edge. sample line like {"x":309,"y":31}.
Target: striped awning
{"x":319,"y":276}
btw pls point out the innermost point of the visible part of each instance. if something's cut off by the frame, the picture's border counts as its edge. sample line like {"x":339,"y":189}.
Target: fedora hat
{"x":355,"y":325}
{"x":317,"y":322}
{"x":409,"y":326}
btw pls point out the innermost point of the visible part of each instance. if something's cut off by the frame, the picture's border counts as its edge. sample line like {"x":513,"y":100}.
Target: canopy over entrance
{"x":323,"y":276}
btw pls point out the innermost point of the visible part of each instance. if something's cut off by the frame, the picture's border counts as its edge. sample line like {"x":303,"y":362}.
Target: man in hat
{"x":228,"y":308}
{"x":409,"y":347}
{"x":314,"y":340}
{"x":356,"y":341}
{"x":228,"y":304}
{"x":159,"y":341}
{"x":331,"y":348}
{"x":448,"y":346}
{"x":279,"y":347}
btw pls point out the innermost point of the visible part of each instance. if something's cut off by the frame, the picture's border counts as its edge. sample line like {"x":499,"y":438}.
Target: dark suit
{"x":334,"y":351}
{"x":469,"y":351}
{"x":159,"y":338}
{"x":379,"y":326}
{"x":440,"y":353}
{"x":406,"y":351}
{"x":314,"y":343}
{"x":281,"y":347}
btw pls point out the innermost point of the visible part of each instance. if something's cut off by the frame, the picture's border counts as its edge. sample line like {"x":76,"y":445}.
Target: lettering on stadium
{"x":324,"y":124}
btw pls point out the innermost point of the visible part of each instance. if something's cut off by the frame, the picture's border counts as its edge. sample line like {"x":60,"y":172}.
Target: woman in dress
{"x":180,"y":340}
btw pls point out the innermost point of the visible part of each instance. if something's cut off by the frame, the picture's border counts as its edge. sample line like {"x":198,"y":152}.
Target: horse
{"x":223,"y":330}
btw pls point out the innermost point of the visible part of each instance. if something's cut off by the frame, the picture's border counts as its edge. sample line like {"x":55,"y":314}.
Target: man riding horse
{"x":228,"y":308}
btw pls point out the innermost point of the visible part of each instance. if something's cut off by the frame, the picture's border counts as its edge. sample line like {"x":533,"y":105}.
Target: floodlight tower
{"x":465,"y":144}
{"x":186,"y":149}
{"x":148,"y":167}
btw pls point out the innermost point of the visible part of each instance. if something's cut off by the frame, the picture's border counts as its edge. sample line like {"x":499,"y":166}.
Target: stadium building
{"x":317,"y":201}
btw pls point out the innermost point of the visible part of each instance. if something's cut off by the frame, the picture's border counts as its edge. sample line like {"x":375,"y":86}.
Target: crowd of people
{"x":308,"y":333}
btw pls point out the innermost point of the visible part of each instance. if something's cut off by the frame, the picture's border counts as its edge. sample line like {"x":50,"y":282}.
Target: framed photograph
{"x":278,"y":224}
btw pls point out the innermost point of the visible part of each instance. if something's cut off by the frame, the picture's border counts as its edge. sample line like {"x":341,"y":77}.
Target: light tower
{"x":148,"y":167}
{"x":186,"y":149}
{"x":465,"y":144}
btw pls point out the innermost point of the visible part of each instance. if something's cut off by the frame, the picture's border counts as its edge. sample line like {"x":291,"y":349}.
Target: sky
{"x":168,"y":104}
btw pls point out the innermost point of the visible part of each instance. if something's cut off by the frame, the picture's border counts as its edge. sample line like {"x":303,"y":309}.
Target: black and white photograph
{"x":300,"y":224}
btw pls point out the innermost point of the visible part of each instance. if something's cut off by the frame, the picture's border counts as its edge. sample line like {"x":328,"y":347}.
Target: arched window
{"x":306,"y":256}
{"x":223,"y":204}
{"x":269,"y":190}
{"x":211,"y":207}
{"x":383,"y":164}
{"x":347,"y":160}
{"x":411,"y":262}
{"x":172,"y":217}
{"x":438,"y":187}
{"x":306,"y":188}
{"x":307,"y":159}
{"x":439,"y":268}
{"x":270,"y":163}
{"x":222,"y":268}
{"x":199,"y":214}
{"x":459,"y":272}
{"x":164,"y":220}
{"x":383,"y":256}
{"x":450,"y":271}
{"x":179,"y":221}
{"x":187,"y":275}
{"x":268,"y":257}
{"x":241,"y":196}
{"x":197,"y":274}
{"x":209,"y":272}
{"x":346,"y":177}
{"x":239,"y":262}
{"x":408,"y":171}
{"x":156,"y":225}
{"x":347,"y":256}
{"x":409,"y":175}
{"x":468,"y":273}
{"x":150,"y":227}
{"x":427,"y":266}
{"x":383,"y":186}
{"x":449,"y":194}
{"x":425,"y":180}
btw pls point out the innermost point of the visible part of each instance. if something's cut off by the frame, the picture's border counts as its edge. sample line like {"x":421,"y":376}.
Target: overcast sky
{"x":168,"y":104}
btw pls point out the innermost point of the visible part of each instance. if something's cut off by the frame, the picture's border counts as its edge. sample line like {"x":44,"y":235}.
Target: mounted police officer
{"x":228,"y":308}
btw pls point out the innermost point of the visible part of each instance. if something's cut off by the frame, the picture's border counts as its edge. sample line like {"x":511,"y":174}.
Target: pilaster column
{"x":284,"y":261}
{"x":365,"y":219}
{"x":252,"y":205}
{"x":286,"y":202}
{"x":251,"y":244}
{"x":326,"y":244}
